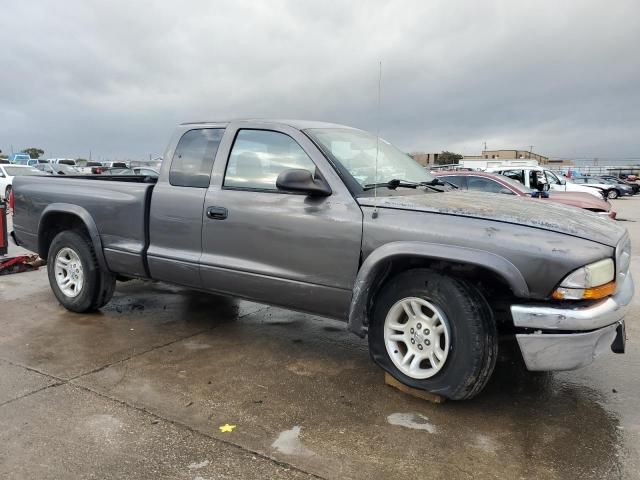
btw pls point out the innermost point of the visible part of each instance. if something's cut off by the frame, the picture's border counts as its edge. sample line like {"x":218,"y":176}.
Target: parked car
{"x":19,"y":158}
{"x":57,"y":169}
{"x":539,"y":177}
{"x":115,"y":164}
{"x":150,"y":172}
{"x":634,"y":185}
{"x":116,"y":171}
{"x":64,"y":161}
{"x":333,"y":221}
{"x":496,"y":183}
{"x":612,"y":190}
{"x":89,"y":167}
{"x":9,"y":172}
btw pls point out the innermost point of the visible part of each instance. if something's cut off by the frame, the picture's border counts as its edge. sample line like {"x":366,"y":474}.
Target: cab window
{"x":517,"y":175}
{"x":193,"y":159}
{"x":552,"y":178}
{"x":259,"y":156}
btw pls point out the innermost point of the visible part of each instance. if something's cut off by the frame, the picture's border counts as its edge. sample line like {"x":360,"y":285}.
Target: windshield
{"x":607,"y":181}
{"x":356,"y":152}
{"x":17,"y":171}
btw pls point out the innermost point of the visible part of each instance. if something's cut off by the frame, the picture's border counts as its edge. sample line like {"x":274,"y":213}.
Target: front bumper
{"x":582,"y":333}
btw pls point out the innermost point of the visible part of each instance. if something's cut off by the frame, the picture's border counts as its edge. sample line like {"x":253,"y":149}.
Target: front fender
{"x":375,"y":263}
{"x":84,"y":216}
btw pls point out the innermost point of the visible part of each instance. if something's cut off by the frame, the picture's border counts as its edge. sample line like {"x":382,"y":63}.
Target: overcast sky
{"x":116,"y":77}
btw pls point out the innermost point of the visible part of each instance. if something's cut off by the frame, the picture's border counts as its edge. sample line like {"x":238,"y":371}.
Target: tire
{"x":472,"y":339}
{"x":7,"y":192}
{"x":612,"y":194}
{"x":94,"y":286}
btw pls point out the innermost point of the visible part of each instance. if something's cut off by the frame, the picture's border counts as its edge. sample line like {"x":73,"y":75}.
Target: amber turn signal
{"x":593,"y":293}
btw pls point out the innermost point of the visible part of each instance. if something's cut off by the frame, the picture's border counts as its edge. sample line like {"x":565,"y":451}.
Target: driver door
{"x":272,"y":246}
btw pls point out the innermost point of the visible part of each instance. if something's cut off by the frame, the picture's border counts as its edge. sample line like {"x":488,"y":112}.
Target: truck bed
{"x":117,"y":205}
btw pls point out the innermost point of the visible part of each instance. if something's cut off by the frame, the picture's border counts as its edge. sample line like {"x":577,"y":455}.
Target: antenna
{"x":375,"y":190}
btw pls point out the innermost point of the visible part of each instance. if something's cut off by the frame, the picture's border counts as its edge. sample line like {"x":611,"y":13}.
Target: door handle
{"x":217,"y":213}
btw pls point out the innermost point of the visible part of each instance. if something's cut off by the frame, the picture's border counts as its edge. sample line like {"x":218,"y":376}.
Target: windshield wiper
{"x":392,"y":184}
{"x":395,"y":183}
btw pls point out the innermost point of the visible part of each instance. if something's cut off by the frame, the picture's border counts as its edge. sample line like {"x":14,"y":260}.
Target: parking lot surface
{"x":142,"y":389}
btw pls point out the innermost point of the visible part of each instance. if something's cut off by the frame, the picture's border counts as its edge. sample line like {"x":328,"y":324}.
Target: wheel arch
{"x":394,"y":257}
{"x":58,"y":217}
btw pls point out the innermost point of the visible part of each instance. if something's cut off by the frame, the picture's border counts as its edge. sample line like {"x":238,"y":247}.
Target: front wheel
{"x":76,"y":278}
{"x":434,"y":332}
{"x":612,"y":194}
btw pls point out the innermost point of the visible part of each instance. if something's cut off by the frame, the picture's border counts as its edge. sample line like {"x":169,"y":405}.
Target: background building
{"x":510,"y":155}
{"x":425,"y":158}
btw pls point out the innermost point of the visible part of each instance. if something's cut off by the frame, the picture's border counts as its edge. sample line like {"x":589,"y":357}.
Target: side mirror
{"x":506,"y":191}
{"x":302,"y":181}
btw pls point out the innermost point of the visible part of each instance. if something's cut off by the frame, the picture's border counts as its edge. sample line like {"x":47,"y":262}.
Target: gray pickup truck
{"x":333,"y":221}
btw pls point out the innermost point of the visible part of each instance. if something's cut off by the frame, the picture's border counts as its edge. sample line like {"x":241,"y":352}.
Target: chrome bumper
{"x":594,"y":330}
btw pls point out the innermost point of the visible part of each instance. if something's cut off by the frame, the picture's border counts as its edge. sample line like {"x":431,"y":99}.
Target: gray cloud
{"x":115,"y":77}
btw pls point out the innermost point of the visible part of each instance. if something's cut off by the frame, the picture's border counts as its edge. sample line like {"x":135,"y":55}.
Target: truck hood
{"x":508,"y":209}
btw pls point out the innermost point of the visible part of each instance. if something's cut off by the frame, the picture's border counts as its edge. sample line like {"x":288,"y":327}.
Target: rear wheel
{"x":75,"y":276}
{"x":612,"y":194}
{"x":435,"y":333}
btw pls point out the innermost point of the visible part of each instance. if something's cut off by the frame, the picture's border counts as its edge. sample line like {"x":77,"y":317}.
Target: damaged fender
{"x":379,"y":259}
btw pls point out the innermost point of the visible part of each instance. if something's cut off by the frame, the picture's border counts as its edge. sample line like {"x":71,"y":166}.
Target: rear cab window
{"x":193,"y":159}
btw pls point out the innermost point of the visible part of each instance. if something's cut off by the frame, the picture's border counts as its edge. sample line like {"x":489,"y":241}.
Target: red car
{"x":495,"y":183}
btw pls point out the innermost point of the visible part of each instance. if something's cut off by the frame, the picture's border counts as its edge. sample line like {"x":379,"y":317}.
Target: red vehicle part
{"x":4,"y":241}
{"x":22,"y":263}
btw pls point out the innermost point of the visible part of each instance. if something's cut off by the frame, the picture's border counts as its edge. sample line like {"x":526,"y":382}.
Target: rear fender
{"x":84,"y":216}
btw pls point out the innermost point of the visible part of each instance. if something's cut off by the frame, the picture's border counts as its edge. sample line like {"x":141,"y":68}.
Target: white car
{"x":7,"y":172}
{"x":530,"y":177}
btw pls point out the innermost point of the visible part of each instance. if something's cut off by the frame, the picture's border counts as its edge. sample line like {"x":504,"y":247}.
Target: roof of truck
{"x":299,"y":124}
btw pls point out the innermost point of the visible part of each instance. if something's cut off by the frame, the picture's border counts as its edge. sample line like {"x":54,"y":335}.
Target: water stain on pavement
{"x":289,"y":443}
{"x":411,"y":420}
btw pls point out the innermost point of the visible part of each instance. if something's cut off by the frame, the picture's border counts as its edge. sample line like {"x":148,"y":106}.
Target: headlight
{"x":590,"y":282}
